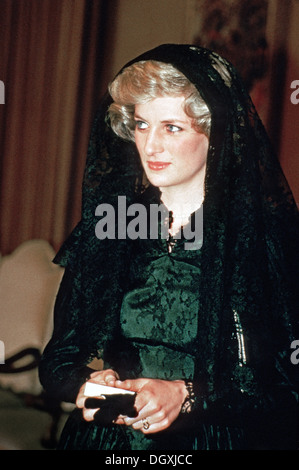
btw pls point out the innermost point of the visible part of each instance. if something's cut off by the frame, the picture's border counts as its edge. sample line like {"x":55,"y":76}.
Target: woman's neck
{"x":181,"y":204}
{"x":181,"y":200}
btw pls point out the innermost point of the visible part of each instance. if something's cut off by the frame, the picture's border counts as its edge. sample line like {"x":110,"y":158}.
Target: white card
{"x":96,"y":390}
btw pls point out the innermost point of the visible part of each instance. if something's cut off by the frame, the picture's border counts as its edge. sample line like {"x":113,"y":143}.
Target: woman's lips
{"x":157,"y":166}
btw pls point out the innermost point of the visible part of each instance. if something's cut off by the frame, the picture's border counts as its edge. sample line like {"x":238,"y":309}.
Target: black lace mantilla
{"x":249,"y":257}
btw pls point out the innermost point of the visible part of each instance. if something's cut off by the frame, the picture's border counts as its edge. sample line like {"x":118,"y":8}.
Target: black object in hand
{"x":112,"y":406}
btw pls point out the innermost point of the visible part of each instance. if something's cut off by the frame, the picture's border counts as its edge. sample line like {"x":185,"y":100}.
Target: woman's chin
{"x":158,"y":181}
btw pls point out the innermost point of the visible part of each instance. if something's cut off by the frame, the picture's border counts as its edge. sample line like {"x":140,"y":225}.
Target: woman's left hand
{"x":158,"y":403}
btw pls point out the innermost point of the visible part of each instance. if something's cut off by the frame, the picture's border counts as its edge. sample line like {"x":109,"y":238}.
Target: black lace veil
{"x":249,"y":257}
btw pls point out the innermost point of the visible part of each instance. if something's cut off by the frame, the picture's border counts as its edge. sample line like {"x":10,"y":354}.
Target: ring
{"x":145,"y":424}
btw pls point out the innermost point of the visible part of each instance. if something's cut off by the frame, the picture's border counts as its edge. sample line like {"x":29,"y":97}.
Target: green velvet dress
{"x":159,"y":324}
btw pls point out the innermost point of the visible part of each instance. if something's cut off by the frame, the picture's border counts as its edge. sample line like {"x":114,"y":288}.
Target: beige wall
{"x":143,"y":24}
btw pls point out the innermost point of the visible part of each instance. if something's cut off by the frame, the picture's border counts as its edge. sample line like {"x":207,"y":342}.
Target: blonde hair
{"x":145,"y":81}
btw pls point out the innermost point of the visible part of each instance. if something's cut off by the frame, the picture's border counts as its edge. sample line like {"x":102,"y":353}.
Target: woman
{"x":203,"y":334}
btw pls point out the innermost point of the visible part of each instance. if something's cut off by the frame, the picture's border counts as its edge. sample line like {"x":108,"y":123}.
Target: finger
{"x":155,"y":427}
{"x":119,"y":420}
{"x":149,"y":425}
{"x":145,"y":412}
{"x":133,"y":385}
{"x":152,"y":424}
{"x":104,"y":373}
{"x":80,"y":399}
{"x":88,"y":413}
{"x":110,"y":380}
{"x":126,"y":384}
{"x":106,"y":377}
{"x":110,"y":376}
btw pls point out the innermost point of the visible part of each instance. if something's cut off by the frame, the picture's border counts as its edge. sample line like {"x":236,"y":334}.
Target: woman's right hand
{"x":103,"y":377}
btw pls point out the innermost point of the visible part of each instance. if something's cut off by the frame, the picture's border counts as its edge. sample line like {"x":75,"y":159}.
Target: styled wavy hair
{"x":145,"y":81}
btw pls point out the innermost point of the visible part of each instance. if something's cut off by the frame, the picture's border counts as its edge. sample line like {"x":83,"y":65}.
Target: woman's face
{"x":172,"y":152}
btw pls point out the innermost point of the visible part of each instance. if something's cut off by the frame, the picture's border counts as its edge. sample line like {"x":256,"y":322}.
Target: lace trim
{"x":189,"y":401}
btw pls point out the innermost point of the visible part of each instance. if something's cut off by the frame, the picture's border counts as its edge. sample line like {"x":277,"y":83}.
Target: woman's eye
{"x":141,"y":125}
{"x":171,"y":128}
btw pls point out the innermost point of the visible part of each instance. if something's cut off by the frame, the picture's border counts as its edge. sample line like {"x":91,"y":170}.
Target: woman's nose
{"x":153,"y":143}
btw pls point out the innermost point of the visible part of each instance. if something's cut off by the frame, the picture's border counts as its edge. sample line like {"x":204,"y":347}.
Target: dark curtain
{"x":54,"y":62}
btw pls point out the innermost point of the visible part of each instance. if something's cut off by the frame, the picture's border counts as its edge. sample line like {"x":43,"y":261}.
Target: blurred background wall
{"x":57,"y":57}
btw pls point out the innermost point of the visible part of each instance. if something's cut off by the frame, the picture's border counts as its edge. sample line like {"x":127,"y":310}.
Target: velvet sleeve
{"x":63,"y":367}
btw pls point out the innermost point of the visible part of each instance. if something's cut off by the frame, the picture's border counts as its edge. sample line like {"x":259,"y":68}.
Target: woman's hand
{"x":103,"y":377}
{"x":158,"y":403}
